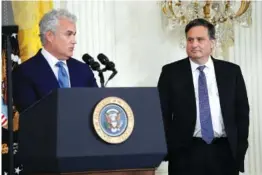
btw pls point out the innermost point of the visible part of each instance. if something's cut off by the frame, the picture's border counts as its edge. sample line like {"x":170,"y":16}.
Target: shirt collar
{"x":52,"y":60}
{"x":209,"y":64}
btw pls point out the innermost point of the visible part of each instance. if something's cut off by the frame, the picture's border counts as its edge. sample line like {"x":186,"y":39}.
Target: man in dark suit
{"x":205,"y":109}
{"x":52,"y":67}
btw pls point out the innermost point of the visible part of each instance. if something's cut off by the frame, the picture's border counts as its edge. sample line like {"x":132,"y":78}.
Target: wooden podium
{"x":57,"y":135}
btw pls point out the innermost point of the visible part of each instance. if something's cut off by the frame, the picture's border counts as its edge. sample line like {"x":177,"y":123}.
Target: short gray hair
{"x":50,"y":20}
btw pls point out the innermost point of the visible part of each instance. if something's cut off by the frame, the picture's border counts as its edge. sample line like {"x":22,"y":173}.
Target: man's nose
{"x":194,"y":43}
{"x":73,"y":40}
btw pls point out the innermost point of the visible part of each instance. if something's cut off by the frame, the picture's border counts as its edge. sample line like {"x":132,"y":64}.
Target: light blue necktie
{"x":63,"y":79}
{"x":204,"y":108}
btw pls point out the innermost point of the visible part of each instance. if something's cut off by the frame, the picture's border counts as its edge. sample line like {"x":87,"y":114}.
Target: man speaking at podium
{"x":205,"y":109}
{"x":52,"y":67}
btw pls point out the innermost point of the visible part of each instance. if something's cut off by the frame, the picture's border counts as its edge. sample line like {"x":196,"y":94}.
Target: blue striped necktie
{"x":63,"y":79}
{"x":204,"y":108}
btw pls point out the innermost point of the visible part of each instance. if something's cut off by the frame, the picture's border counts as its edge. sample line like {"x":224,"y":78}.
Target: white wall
{"x":131,"y":34}
{"x":248,"y":54}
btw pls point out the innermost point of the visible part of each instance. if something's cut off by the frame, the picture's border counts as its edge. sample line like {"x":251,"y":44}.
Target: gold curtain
{"x":27,"y":15}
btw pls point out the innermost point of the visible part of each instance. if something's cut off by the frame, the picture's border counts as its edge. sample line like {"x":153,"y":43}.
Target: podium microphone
{"x":109,"y":65}
{"x":95,"y":66}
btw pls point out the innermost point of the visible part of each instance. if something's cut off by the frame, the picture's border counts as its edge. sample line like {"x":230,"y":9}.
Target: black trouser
{"x":203,"y":159}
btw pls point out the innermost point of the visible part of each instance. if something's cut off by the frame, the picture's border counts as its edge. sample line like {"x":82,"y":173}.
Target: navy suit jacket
{"x":34,"y":79}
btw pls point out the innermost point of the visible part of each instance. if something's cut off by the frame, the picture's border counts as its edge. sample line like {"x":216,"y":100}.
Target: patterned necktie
{"x":63,"y":79}
{"x":204,"y":108}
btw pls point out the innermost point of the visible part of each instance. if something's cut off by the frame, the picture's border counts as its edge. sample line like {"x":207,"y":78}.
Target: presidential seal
{"x":113,"y":120}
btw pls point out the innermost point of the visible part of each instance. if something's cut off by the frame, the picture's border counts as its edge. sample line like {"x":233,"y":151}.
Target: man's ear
{"x":49,"y":36}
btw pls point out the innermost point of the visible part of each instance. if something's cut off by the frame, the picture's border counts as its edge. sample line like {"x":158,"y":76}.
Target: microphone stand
{"x":108,"y":66}
{"x":102,"y":79}
{"x":111,"y":76}
{"x":95,"y":66}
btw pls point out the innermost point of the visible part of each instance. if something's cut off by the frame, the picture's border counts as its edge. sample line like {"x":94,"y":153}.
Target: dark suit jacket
{"x":178,"y":104}
{"x":34,"y":79}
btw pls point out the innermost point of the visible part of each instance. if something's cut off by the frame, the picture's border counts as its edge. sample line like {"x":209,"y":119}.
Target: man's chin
{"x":65,"y":57}
{"x":69,"y":55}
{"x":196,"y":57}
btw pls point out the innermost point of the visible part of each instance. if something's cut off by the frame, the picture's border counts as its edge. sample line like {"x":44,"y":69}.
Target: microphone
{"x":94,"y":66}
{"x":102,"y":58}
{"x":109,"y":65}
{"x":91,"y":62}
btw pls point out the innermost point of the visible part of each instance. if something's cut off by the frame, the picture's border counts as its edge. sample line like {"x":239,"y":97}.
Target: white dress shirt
{"x":214,"y":102}
{"x":52,"y":63}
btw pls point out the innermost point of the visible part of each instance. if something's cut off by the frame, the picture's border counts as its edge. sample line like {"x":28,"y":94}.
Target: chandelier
{"x":223,"y":14}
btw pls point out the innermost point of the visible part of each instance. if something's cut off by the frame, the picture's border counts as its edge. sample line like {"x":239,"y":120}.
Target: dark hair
{"x":204,"y":23}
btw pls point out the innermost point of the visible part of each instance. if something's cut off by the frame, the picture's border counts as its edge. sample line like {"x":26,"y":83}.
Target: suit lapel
{"x":47,"y":75}
{"x":221,"y":79}
{"x":72,"y":72}
{"x":188,"y":85}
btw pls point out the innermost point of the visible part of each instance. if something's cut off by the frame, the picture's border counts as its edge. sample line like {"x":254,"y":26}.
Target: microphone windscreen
{"x":95,"y":66}
{"x":102,"y":58}
{"x":88,"y":59}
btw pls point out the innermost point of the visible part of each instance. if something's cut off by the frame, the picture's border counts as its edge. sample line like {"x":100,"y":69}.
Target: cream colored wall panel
{"x":95,"y":28}
{"x":248,"y":54}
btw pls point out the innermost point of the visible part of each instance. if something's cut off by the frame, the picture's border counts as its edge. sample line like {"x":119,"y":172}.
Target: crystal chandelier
{"x":223,"y":14}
